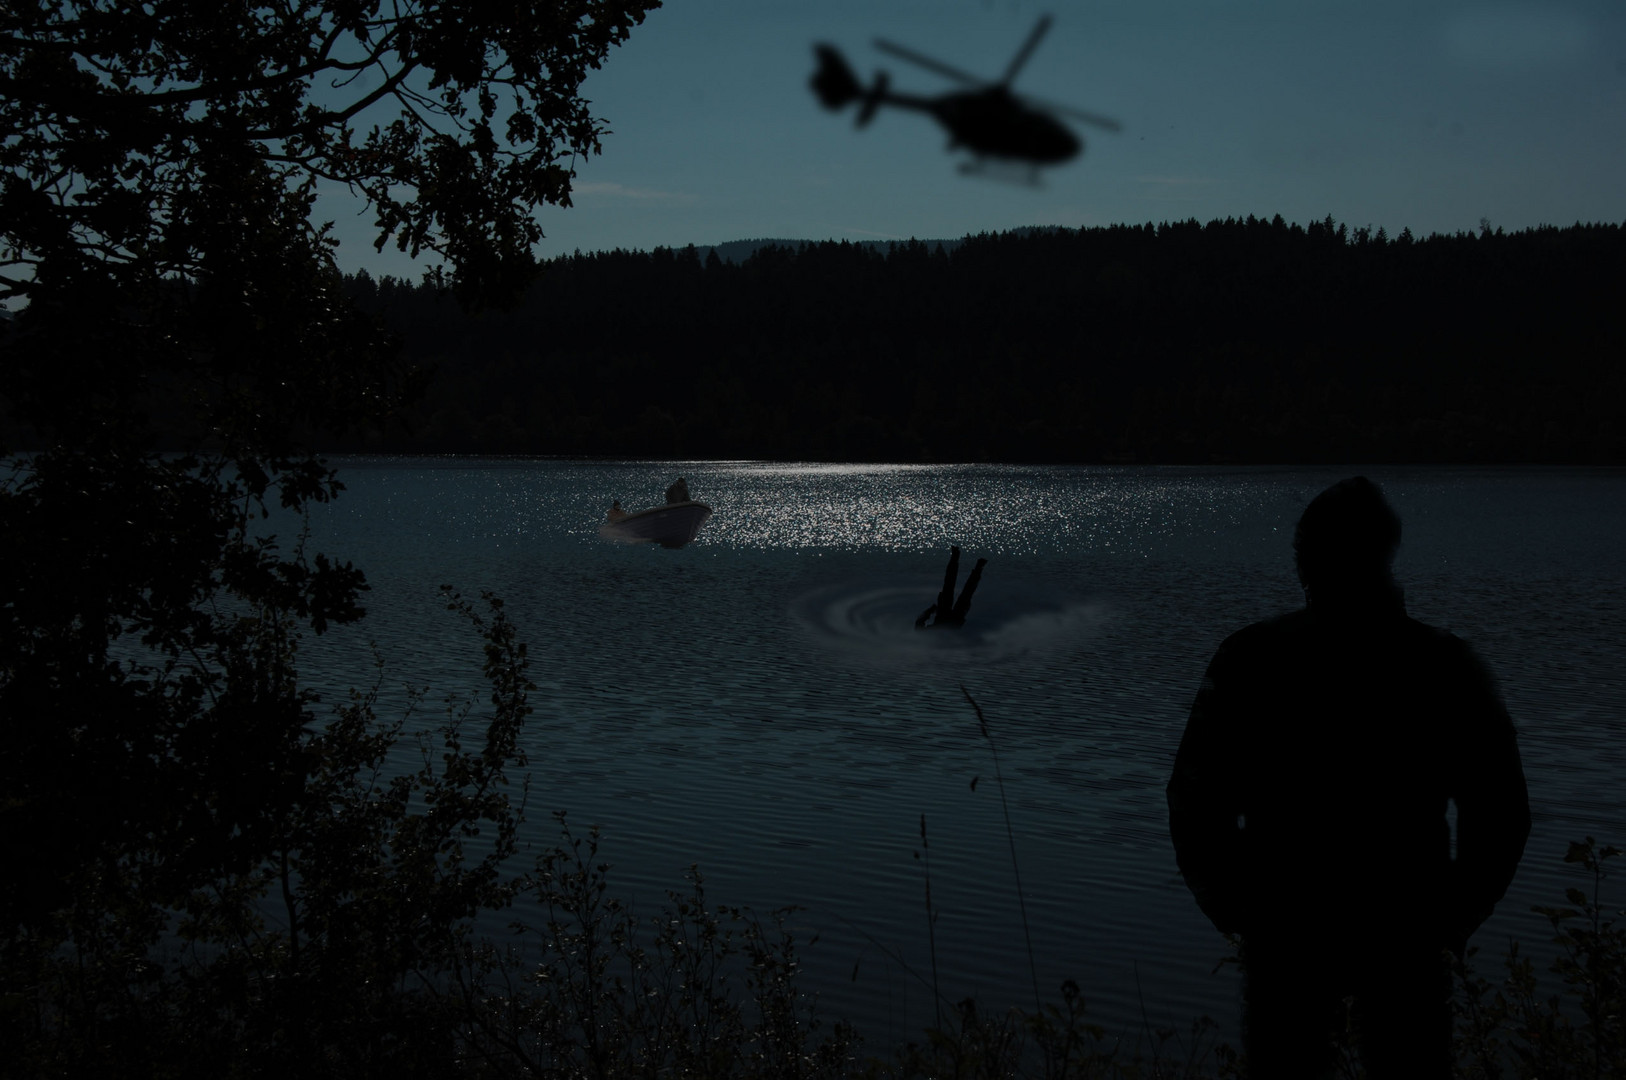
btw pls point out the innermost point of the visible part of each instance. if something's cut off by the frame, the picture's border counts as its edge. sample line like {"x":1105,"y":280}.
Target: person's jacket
{"x":1310,"y":789}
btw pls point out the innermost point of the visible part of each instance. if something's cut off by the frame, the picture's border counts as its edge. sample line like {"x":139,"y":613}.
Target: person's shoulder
{"x":1437,"y":639}
{"x":1289,"y":624}
{"x":1264,"y":637}
{"x":1446,"y":652}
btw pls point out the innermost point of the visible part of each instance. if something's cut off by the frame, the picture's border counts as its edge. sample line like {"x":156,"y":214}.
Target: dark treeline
{"x":1235,"y":341}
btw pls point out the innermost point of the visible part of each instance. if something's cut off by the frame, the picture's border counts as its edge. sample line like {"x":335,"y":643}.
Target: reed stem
{"x":931,"y":920}
{"x":1010,"y":835}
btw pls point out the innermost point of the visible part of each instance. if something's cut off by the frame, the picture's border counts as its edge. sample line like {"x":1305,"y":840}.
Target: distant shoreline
{"x":1238,"y":341}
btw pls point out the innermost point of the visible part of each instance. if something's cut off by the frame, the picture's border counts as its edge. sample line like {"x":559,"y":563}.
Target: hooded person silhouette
{"x":1308,"y":805}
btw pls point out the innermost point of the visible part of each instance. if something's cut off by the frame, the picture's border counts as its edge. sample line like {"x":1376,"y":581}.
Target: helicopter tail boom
{"x":873,"y":99}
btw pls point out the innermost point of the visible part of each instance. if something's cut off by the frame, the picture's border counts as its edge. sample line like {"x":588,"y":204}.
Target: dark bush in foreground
{"x":355,"y":949}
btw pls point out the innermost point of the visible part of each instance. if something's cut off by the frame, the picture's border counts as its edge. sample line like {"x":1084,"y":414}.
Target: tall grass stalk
{"x":1010,"y":835}
{"x":931,"y":923}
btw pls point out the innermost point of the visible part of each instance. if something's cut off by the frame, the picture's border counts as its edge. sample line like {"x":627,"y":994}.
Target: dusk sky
{"x":1424,"y":115}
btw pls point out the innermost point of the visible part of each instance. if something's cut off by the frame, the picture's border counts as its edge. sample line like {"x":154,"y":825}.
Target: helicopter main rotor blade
{"x":926,"y":62}
{"x":1026,"y":50}
{"x":1106,"y":123}
{"x":1096,"y":119}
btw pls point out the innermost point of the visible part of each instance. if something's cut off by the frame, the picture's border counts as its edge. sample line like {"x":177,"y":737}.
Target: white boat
{"x":670,"y":525}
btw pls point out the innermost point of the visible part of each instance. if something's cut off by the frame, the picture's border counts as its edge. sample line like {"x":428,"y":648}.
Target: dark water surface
{"x":759,"y":702}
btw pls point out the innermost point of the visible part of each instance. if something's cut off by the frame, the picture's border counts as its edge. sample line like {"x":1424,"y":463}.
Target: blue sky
{"x":1423,"y":115}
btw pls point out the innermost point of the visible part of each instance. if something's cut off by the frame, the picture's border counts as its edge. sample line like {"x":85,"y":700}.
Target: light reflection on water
{"x":760,"y":703}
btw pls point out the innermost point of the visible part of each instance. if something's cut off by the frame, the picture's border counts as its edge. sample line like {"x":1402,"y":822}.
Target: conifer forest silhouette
{"x":1238,"y":341}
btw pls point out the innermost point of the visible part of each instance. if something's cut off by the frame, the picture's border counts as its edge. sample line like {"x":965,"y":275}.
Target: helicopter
{"x":988,"y":120}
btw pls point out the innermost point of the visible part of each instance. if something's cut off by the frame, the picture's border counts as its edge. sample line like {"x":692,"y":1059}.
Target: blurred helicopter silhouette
{"x":990,"y":121}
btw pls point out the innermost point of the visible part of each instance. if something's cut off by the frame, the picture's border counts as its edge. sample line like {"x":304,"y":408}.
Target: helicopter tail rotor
{"x":834,"y":82}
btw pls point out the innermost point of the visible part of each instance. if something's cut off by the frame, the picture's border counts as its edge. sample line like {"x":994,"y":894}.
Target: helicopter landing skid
{"x":997,"y":170}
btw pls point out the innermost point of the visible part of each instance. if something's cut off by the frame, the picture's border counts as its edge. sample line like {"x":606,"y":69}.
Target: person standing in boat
{"x":1309,"y":797}
{"x":678,"y":492}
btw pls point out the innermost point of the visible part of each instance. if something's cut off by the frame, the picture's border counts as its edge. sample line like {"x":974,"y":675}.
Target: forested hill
{"x":1235,"y":341}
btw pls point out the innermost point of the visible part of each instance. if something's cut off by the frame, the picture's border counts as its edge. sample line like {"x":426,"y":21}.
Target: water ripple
{"x":877,"y":621}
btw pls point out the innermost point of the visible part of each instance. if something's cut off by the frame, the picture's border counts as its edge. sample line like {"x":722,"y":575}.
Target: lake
{"x":760,"y":704}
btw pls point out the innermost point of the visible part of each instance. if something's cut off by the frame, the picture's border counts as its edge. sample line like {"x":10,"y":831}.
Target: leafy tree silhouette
{"x":171,"y":291}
